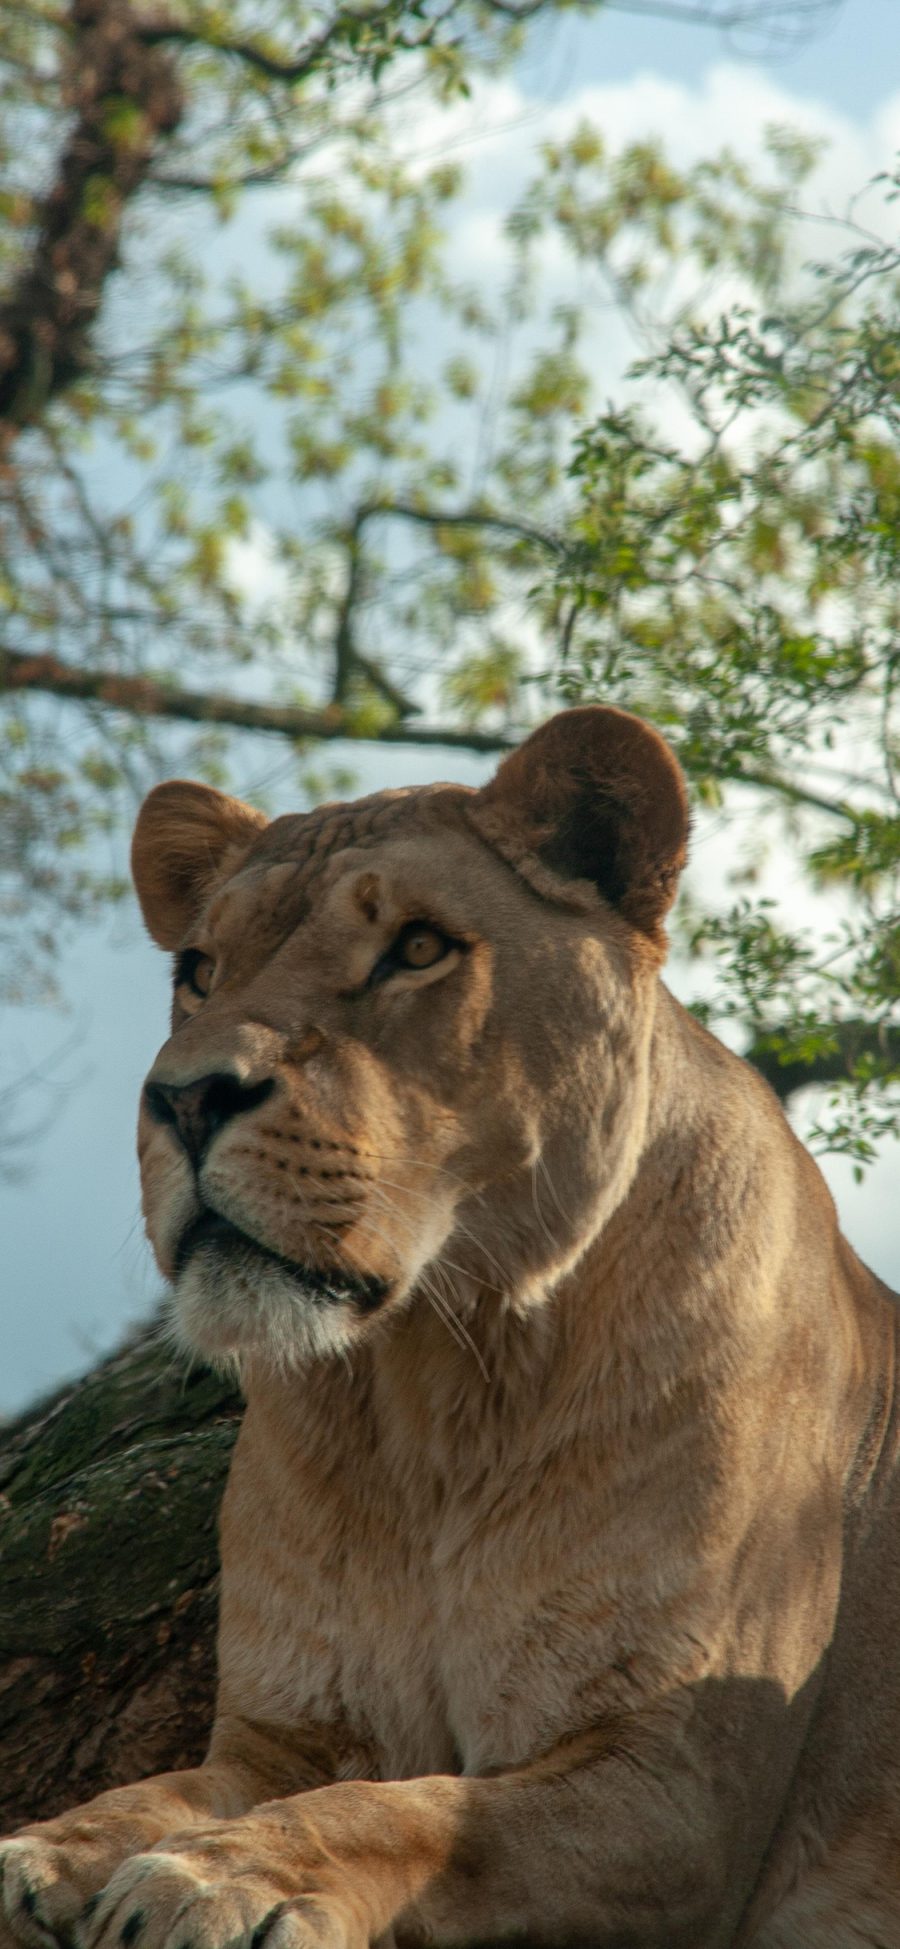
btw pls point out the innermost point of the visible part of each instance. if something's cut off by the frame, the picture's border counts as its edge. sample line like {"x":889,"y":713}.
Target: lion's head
{"x":410,"y":1035}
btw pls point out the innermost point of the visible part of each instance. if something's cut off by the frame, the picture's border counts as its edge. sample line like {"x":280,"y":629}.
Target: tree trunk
{"x":108,"y":1588}
{"x":125,"y":98}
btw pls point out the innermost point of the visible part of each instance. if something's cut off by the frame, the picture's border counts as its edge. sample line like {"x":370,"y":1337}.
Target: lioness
{"x":561,"y":1550}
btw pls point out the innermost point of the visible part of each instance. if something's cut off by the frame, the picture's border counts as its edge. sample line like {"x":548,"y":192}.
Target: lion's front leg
{"x":562,"y":1852}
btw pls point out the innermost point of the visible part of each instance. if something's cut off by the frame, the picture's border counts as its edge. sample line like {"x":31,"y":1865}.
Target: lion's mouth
{"x":323,"y":1286}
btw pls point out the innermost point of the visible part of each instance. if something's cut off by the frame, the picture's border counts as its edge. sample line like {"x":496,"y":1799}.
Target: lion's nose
{"x":199,"y":1109}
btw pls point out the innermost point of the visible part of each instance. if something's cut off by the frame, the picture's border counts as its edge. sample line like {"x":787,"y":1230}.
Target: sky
{"x":75,"y":1269}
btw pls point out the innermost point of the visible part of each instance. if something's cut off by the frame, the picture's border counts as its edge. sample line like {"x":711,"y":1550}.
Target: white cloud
{"x":254,"y":571}
{"x":498,"y":132}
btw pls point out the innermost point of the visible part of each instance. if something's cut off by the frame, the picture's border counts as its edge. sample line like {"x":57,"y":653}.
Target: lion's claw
{"x":165,"y":1901}
{"x":160,"y":1898}
{"x":220,"y":1894}
{"x":37,"y":1901}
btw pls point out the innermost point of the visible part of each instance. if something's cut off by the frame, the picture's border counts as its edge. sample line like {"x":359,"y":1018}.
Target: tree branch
{"x":382,"y":683}
{"x":351,"y":20}
{"x":170,"y":33}
{"x":125,"y":96}
{"x":194,"y":185}
{"x":348,"y":21}
{"x":148,"y":697}
{"x":344,"y":644}
{"x":854,"y":1041}
{"x":765,"y":780}
{"x":503,"y":524}
{"x":152,"y":697}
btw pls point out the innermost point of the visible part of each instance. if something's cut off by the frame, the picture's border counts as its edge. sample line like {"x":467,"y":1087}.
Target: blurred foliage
{"x":740,"y":585}
{"x":298,"y":460}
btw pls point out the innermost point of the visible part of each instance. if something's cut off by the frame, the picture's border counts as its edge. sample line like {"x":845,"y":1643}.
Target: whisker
{"x":453,"y":1323}
{"x":464,"y":1231}
{"x":465,"y":1272}
{"x":439,"y":1300}
{"x":537,"y":1208}
{"x":564,"y":1215}
{"x":423,"y":1164}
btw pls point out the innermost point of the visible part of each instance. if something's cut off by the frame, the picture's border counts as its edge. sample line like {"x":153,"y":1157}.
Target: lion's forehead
{"x":308,"y":840}
{"x":275,"y":886}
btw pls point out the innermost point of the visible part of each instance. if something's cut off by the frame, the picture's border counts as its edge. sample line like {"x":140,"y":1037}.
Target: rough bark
{"x":108,"y":1578}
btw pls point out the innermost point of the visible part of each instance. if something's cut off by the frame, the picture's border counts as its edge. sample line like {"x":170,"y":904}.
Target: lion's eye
{"x":194,"y":970}
{"x":418,"y":945}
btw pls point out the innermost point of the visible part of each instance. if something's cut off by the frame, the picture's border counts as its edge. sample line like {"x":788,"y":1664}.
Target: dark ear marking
{"x":596,"y":794}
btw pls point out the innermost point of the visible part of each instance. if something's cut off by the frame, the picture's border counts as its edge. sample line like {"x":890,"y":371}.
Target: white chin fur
{"x":226,"y":1311}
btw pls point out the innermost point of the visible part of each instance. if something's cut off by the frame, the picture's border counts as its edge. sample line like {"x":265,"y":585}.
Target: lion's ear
{"x":183,"y":835}
{"x":596,"y":795}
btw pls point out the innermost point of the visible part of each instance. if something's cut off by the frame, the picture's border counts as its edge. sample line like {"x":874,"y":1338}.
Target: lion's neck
{"x":669,"y":1299}
{"x":685,"y":1304}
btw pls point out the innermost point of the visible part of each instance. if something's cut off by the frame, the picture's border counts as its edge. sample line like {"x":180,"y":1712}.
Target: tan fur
{"x":561,"y":1574}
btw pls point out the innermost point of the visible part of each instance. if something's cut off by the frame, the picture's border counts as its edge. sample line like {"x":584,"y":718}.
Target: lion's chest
{"x":437,"y":1632}
{"x":448,"y":1673}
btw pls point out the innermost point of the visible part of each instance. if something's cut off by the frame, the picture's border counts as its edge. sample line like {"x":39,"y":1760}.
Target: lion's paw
{"x":311,"y":1922}
{"x":164,"y":1900}
{"x":41,"y":1894}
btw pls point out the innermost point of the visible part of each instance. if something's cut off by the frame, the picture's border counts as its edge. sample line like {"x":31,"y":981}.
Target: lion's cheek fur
{"x":588,"y":1121}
